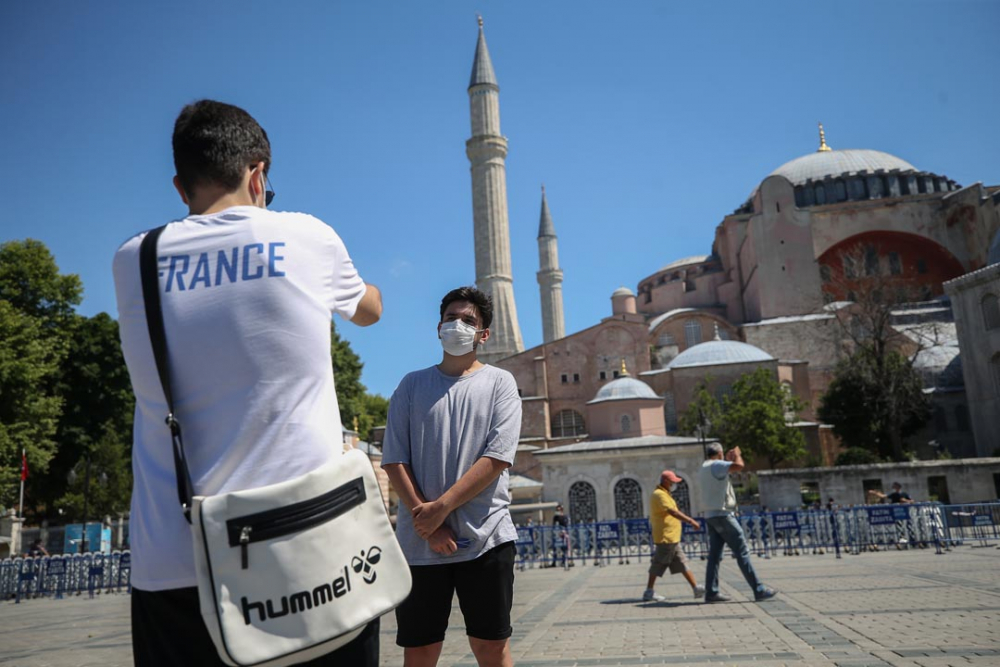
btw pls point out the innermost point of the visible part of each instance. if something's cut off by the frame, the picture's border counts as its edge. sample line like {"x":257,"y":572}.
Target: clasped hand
{"x":428,"y":517}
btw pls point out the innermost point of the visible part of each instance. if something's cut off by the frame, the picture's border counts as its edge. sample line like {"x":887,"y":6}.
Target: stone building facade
{"x":953,"y":481}
{"x":774,"y":278}
{"x":975,"y":300}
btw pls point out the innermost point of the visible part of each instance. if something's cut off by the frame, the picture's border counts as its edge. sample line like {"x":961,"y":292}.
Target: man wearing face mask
{"x":451,"y":434}
{"x":665,"y":519}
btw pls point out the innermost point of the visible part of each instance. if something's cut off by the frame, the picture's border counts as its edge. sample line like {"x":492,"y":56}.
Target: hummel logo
{"x":301,"y":601}
{"x":365,"y":562}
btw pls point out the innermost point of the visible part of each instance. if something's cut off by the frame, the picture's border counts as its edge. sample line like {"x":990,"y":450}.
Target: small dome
{"x":716,"y":352}
{"x":622,"y":291}
{"x":819,"y":165}
{"x":623,"y":389}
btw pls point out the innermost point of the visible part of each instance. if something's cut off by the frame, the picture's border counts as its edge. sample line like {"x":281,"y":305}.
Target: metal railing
{"x":852,"y":530}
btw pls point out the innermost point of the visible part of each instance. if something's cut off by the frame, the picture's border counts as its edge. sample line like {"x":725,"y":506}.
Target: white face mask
{"x":458,"y":338}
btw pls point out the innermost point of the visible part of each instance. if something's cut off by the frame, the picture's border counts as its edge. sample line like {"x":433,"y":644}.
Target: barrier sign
{"x":56,"y":566}
{"x":982,"y":520}
{"x":126,"y":561}
{"x":637,"y":526}
{"x":785,"y":520}
{"x":900,"y":513}
{"x":880,"y":516}
{"x":607,"y":531}
{"x":687,"y":529}
{"x":525,"y":536}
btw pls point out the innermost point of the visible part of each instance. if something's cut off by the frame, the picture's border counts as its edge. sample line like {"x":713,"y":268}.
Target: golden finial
{"x":355,"y":423}
{"x":479,"y":17}
{"x":624,"y":371}
{"x":823,"y":148}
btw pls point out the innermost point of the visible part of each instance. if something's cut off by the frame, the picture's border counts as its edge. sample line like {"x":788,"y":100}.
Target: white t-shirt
{"x":247,"y":296}
{"x":716,"y":490}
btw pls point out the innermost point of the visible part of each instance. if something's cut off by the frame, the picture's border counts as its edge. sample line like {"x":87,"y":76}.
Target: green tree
{"x":98,"y":408}
{"x":355,"y":402}
{"x":756,"y":416}
{"x":875,"y":402}
{"x":30,"y":281}
{"x":703,"y":415}
{"x":29,"y":410}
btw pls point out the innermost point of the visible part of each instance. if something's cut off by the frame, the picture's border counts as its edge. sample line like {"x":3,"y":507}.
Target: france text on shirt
{"x":240,"y":263}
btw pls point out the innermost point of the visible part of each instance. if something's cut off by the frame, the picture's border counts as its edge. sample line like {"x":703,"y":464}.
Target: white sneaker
{"x":699,"y":592}
{"x":650,"y":596}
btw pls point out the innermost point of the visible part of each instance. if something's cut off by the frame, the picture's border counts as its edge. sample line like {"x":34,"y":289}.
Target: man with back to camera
{"x":665,"y":520}
{"x":719,"y":499}
{"x":247,"y":296}
{"x":451,"y":434}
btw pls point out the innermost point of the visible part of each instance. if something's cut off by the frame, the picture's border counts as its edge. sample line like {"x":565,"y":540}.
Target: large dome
{"x":817,"y":166}
{"x":624,"y":389}
{"x":715,"y":352}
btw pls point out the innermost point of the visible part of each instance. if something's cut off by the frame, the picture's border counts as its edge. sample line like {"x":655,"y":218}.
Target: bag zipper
{"x":294,"y":518}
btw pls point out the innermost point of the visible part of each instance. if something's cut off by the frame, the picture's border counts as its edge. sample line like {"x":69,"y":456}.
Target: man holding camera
{"x":719,"y":499}
{"x":247,"y":298}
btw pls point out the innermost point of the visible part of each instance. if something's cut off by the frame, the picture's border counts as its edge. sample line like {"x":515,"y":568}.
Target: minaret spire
{"x":487,"y":152}
{"x":550,"y":276}
{"x":823,"y":148}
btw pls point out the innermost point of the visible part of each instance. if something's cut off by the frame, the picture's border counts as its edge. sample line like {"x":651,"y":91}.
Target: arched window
{"x":670,"y":412}
{"x":682,"y":496}
{"x":582,"y":503}
{"x":568,"y":423}
{"x":626,"y":424}
{"x":692,"y":332}
{"x":991,"y":311}
{"x":628,"y":499}
{"x":722,"y":392}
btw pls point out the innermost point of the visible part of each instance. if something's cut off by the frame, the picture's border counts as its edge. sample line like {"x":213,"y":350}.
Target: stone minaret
{"x":487,"y":150}
{"x":550,"y":277}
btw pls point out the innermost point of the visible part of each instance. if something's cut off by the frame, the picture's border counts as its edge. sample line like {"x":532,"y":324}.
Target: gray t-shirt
{"x":716,"y":490}
{"x":440,"y":426}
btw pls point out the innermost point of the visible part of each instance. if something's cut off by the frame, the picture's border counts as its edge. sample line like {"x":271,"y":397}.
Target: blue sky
{"x":647,"y":122}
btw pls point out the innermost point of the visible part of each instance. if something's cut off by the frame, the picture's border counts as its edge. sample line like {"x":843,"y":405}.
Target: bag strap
{"x":150,"y":273}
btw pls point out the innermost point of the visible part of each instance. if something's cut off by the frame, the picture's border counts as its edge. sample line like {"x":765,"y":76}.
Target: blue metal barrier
{"x":59,"y":576}
{"x":850,"y":530}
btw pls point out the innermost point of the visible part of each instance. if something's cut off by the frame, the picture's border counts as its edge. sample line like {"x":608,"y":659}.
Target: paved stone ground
{"x":903,"y":609}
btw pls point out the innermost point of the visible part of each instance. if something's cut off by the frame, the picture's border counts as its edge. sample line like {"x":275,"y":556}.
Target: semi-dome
{"x":624,"y":389}
{"x":716,"y":352}
{"x":686,"y":261}
{"x":819,"y":165}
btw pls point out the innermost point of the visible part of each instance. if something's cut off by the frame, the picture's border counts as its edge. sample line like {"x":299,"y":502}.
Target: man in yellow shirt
{"x":665,"y":519}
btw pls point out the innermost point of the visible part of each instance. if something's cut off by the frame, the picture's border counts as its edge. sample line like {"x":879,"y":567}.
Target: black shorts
{"x":167,"y":630}
{"x":485,"y":588}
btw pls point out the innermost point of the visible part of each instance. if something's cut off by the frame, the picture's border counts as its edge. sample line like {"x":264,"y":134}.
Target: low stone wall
{"x":964,"y":480}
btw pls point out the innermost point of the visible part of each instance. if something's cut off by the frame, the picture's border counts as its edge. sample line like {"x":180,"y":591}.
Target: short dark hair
{"x":482,"y":301}
{"x":215,"y":142}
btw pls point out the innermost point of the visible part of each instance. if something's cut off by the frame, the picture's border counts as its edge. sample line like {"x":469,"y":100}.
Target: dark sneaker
{"x":764,"y":594}
{"x":718,"y":597}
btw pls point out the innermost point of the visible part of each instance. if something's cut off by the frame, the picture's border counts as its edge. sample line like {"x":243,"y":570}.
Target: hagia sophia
{"x":601,"y":405}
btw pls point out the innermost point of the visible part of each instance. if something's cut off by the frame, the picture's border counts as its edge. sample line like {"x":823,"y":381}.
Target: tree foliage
{"x":875,"y":402}
{"x":359,"y":410}
{"x":755,"y":417}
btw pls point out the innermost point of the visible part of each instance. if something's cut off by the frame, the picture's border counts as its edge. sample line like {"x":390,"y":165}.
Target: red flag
{"x":24,"y":466}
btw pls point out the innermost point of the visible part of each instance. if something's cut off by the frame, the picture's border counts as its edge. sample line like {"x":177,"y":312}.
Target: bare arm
{"x":401,"y":478}
{"x":442,"y":540}
{"x":369,"y":309}
{"x":429,"y":515}
{"x":677,"y":514}
{"x":736,"y":458}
